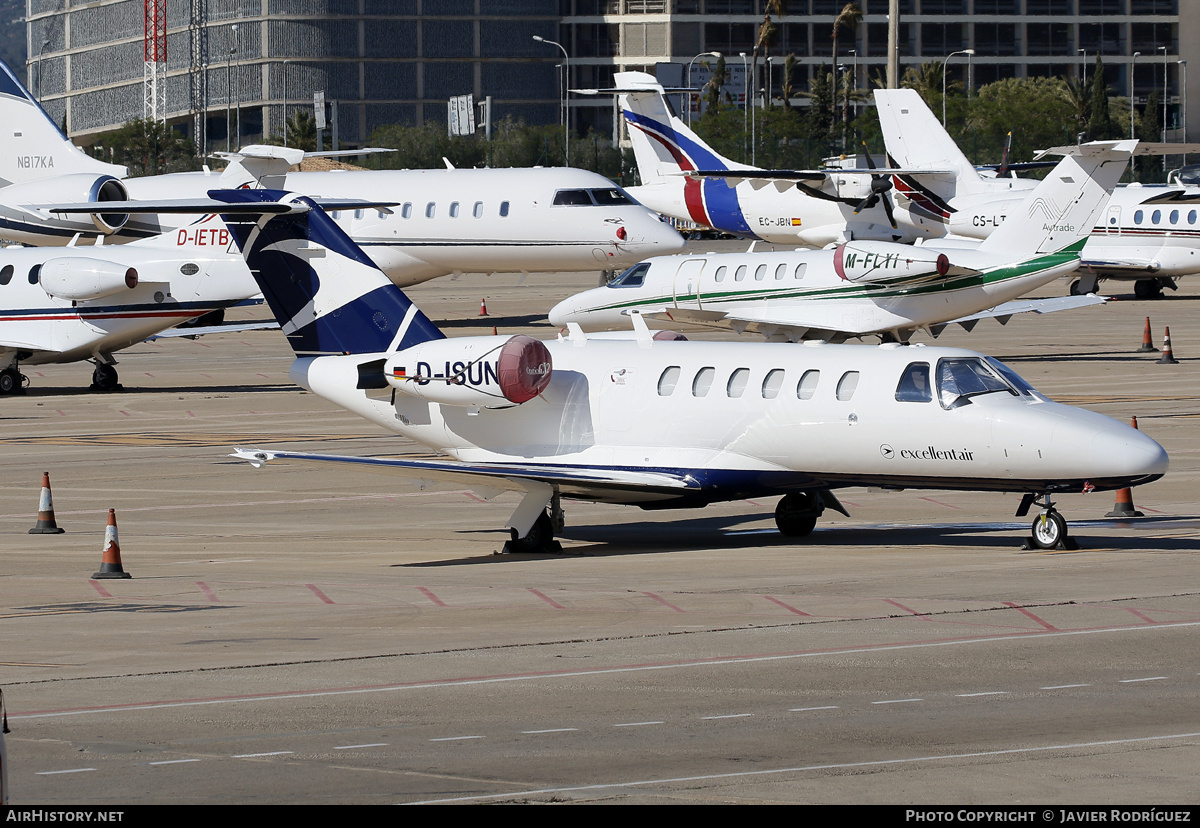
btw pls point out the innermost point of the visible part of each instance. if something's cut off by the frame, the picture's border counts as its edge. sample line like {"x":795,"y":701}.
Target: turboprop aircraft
{"x":684,"y":177}
{"x":874,"y":287}
{"x":658,"y":422}
{"x":446,"y":221}
{"x":1147,"y":233}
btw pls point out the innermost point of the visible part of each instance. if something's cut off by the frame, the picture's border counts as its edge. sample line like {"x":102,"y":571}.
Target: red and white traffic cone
{"x":110,"y":561}
{"x":1124,"y":505}
{"x":45,"y":520}
{"x":483,"y":306}
{"x":1147,"y":342}
{"x":1168,"y":357}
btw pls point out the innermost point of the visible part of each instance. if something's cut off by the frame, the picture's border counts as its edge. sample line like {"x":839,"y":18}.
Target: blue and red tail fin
{"x":325,"y":292}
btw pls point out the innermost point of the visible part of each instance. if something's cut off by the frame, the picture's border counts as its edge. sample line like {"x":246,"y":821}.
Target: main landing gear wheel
{"x":1147,"y":289}
{"x":104,"y":378}
{"x":12,"y":381}
{"x":540,"y":538}
{"x":796,"y":515}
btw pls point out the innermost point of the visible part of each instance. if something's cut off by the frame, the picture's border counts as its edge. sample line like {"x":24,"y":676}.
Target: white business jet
{"x":446,"y":221}
{"x":1147,"y":233}
{"x":68,"y":304}
{"x":874,"y":287}
{"x":665,"y":424}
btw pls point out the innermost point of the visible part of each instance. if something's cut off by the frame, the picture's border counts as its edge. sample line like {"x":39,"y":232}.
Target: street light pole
{"x":944,"y":66}
{"x":228,"y":94}
{"x":1183,"y":89}
{"x":1163,"y":49}
{"x":1132,"y":161}
{"x":688,"y":82}
{"x":746,"y":104}
{"x":1083,"y":67}
{"x":566,"y":110}
{"x":285,"y":101}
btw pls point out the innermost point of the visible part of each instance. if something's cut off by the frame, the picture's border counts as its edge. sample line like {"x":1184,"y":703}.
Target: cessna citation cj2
{"x":661,"y":423}
{"x":861,"y":288}
{"x":446,"y":221}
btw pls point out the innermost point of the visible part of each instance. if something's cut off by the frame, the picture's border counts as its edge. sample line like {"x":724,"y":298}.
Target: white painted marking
{"x":352,"y":747}
{"x":985,"y":693}
{"x":1150,"y":678}
{"x":1065,"y":686}
{"x":455,"y":738}
{"x":550,"y":730}
{"x":806,"y":768}
{"x":72,"y":770}
{"x":729,"y":716}
{"x":807,"y":709}
{"x":897,"y":701}
{"x":256,"y":755}
{"x":173,"y":762}
{"x":638,"y":724}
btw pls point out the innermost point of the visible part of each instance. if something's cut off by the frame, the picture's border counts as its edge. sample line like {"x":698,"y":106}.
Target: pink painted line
{"x":475,"y":497}
{"x":313,"y":589}
{"x":437,"y":602}
{"x":190,"y":414}
{"x":126,"y":413}
{"x":103,"y":592}
{"x":1047,"y":625}
{"x":938,"y":502}
{"x":848,"y":503}
{"x":547,"y":598}
{"x":924,"y":616}
{"x":264,"y":376}
{"x":754,"y":503}
{"x":662,"y":601}
{"x":207,"y":376}
{"x":147,"y":373}
{"x":61,"y":413}
{"x":208,"y":593}
{"x":1142,"y":616}
{"x":790,"y":609}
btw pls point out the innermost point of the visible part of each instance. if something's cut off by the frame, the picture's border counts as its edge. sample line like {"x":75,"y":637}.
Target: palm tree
{"x":766,"y":33}
{"x":849,"y":18}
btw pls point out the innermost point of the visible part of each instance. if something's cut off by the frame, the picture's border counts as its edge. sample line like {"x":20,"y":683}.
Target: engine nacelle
{"x":76,"y":188}
{"x":79,"y":278}
{"x":485,"y":371}
{"x":868,"y":261}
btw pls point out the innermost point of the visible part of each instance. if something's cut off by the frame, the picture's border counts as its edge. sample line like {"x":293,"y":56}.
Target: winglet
{"x":256,"y":457}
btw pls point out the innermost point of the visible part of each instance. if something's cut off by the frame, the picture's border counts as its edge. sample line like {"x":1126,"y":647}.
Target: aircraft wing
{"x":230,"y":327}
{"x":201,"y":206}
{"x":493,"y":478}
{"x":1002,"y":313}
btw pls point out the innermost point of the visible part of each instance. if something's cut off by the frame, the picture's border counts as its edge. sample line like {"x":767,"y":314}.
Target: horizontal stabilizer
{"x":1143,"y":148}
{"x":228,"y":327}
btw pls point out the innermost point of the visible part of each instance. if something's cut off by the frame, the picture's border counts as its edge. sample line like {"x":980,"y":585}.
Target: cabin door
{"x":687,"y":283}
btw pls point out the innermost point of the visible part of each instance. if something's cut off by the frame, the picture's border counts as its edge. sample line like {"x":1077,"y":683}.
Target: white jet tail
{"x":1062,"y":210}
{"x":33,"y":147}
{"x":663,"y":145}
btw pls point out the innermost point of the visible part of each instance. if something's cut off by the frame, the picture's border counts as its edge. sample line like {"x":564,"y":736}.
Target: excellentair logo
{"x":932,"y":453}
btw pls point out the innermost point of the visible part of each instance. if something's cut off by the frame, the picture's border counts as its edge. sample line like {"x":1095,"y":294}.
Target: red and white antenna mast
{"x":154,"y":106}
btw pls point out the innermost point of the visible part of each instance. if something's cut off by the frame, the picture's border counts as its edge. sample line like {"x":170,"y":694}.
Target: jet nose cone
{"x":562,"y":313}
{"x":1130,"y":455}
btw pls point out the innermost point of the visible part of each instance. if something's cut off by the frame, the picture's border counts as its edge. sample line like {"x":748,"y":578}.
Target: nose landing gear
{"x":1049,"y":529}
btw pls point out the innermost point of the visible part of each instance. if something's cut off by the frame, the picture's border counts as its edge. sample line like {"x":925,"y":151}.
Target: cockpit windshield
{"x":634,"y":277}
{"x":604,"y":197}
{"x":961,"y":378}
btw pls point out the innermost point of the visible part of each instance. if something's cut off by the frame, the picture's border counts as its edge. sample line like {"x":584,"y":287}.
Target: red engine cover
{"x":524,"y":369}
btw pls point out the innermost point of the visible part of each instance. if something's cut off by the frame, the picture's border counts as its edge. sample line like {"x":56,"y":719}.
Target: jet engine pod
{"x":485,"y":371}
{"x":76,"y":188}
{"x":80,"y":278}
{"x":871,"y":261}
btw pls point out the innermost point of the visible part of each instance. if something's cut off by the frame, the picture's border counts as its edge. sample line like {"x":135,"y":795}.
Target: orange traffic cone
{"x":45,"y":520}
{"x":1124,"y":505}
{"x":1147,"y":342}
{"x":110,"y":561}
{"x":1168,"y":358}
{"x":494,"y":330}
{"x":483,"y":306}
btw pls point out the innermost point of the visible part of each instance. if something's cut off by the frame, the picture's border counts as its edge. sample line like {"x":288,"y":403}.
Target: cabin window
{"x":846,"y":385}
{"x":1174,"y":217}
{"x":720,"y":275}
{"x":1156,"y":216}
{"x":572,"y":197}
{"x":807,"y":385}
{"x":610,"y":197}
{"x":737,"y":382}
{"x":430,"y":209}
{"x":453,"y":209}
{"x":780,"y":272}
{"x":633,"y":277}
{"x":1191,"y":216}
{"x":703,"y":381}
{"x":960,"y":379}
{"x":772,"y":383}
{"x":668,"y":380}
{"x":740,"y":273}
{"x":6,"y":274}
{"x":800,"y":268}
{"x":406,"y":210}
{"x":503,"y":209}
{"x":1137,"y":217}
{"x":35,"y":273}
{"x":478,"y":211}
{"x":358,"y":214}
{"x":760,"y":272}
{"x":914,"y":384}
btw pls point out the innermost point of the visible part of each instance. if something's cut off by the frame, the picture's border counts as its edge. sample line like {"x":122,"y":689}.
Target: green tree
{"x":716,"y":82}
{"x":302,"y":130}
{"x":762,"y":42}
{"x":148,"y":148}
{"x":1101,"y":126}
{"x":848,"y":18}
{"x":1035,"y":110}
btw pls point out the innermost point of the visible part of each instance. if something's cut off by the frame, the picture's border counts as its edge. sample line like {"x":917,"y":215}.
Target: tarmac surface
{"x":300,"y":635}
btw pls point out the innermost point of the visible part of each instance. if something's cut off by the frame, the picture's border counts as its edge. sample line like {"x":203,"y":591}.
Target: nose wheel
{"x":1049,"y":529}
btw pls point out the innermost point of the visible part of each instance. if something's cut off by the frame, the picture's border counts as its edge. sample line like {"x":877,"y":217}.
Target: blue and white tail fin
{"x":33,"y":147}
{"x":328,"y":296}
